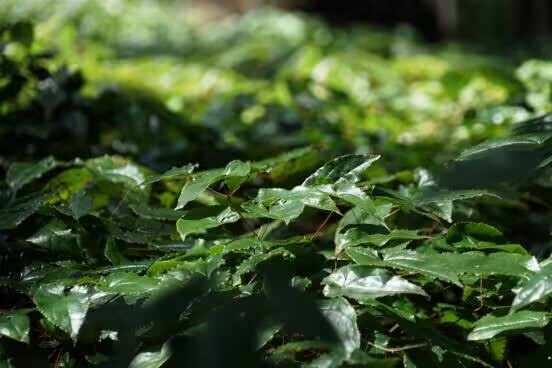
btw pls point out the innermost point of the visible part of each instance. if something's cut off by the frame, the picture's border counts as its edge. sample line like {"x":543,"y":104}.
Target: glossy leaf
{"x":490,"y":326}
{"x":361,"y":283}
{"x":20,"y":174}
{"x":412,"y":261}
{"x":357,"y":236}
{"x":342,"y":317}
{"x":56,"y":237}
{"x":201,"y":181}
{"x":175,"y":171}
{"x":128,"y":283}
{"x":342,"y":170}
{"x":64,"y":308}
{"x":15,"y":212}
{"x":535,"y":288}
{"x":152,"y":359}
{"x":190,"y":223}
{"x":15,"y":325}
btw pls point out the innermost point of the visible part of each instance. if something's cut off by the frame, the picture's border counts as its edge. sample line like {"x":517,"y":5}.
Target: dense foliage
{"x":327,"y":198}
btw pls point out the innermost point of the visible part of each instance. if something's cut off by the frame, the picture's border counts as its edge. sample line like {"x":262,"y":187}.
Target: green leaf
{"x":289,"y":163}
{"x":536,"y":287}
{"x":365,"y":256}
{"x":342,"y":317}
{"x":307,"y":196}
{"x":128,"y":283}
{"x":175,"y":171}
{"x":490,"y":326}
{"x":64,"y":308}
{"x":333,"y":359}
{"x":18,"y":210}
{"x":194,"y":222}
{"x":357,"y":236}
{"x":237,"y":168}
{"x":412,"y":261}
{"x":116,"y":170}
{"x":196,"y":186}
{"x":523,"y":143}
{"x":20,"y":174}
{"x":57,"y":237}
{"x":342,"y":170}
{"x":432,"y":195}
{"x":152,"y":359}
{"x":479,"y":263}
{"x":360,"y":282}
{"x":15,"y":325}
{"x":81,"y":204}
{"x":201,"y":181}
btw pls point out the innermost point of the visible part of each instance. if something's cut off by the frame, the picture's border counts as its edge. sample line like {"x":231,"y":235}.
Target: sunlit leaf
{"x":65,"y":308}
{"x":490,"y":326}
{"x":15,"y":325}
{"x":19,"y":174}
{"x":360,"y":282}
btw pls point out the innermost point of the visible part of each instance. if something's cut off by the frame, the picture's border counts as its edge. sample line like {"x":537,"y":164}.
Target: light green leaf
{"x":536,"y":287}
{"x":15,"y":325}
{"x":479,"y":263}
{"x":342,"y":317}
{"x":201,"y":181}
{"x":360,"y":282}
{"x":357,"y":236}
{"x":20,"y":174}
{"x":490,"y":326}
{"x":237,"y":168}
{"x":197,"y":185}
{"x":365,"y":256}
{"x":425,"y":264}
{"x":195,"y":222}
{"x":307,"y":196}
{"x":128,"y":283}
{"x":64,"y":308}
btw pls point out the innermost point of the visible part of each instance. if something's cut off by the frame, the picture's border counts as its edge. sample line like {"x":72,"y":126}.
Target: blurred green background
{"x":166,"y":82}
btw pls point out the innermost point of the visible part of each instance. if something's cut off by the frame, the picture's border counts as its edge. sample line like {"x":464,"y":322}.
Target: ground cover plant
{"x":327,"y":199}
